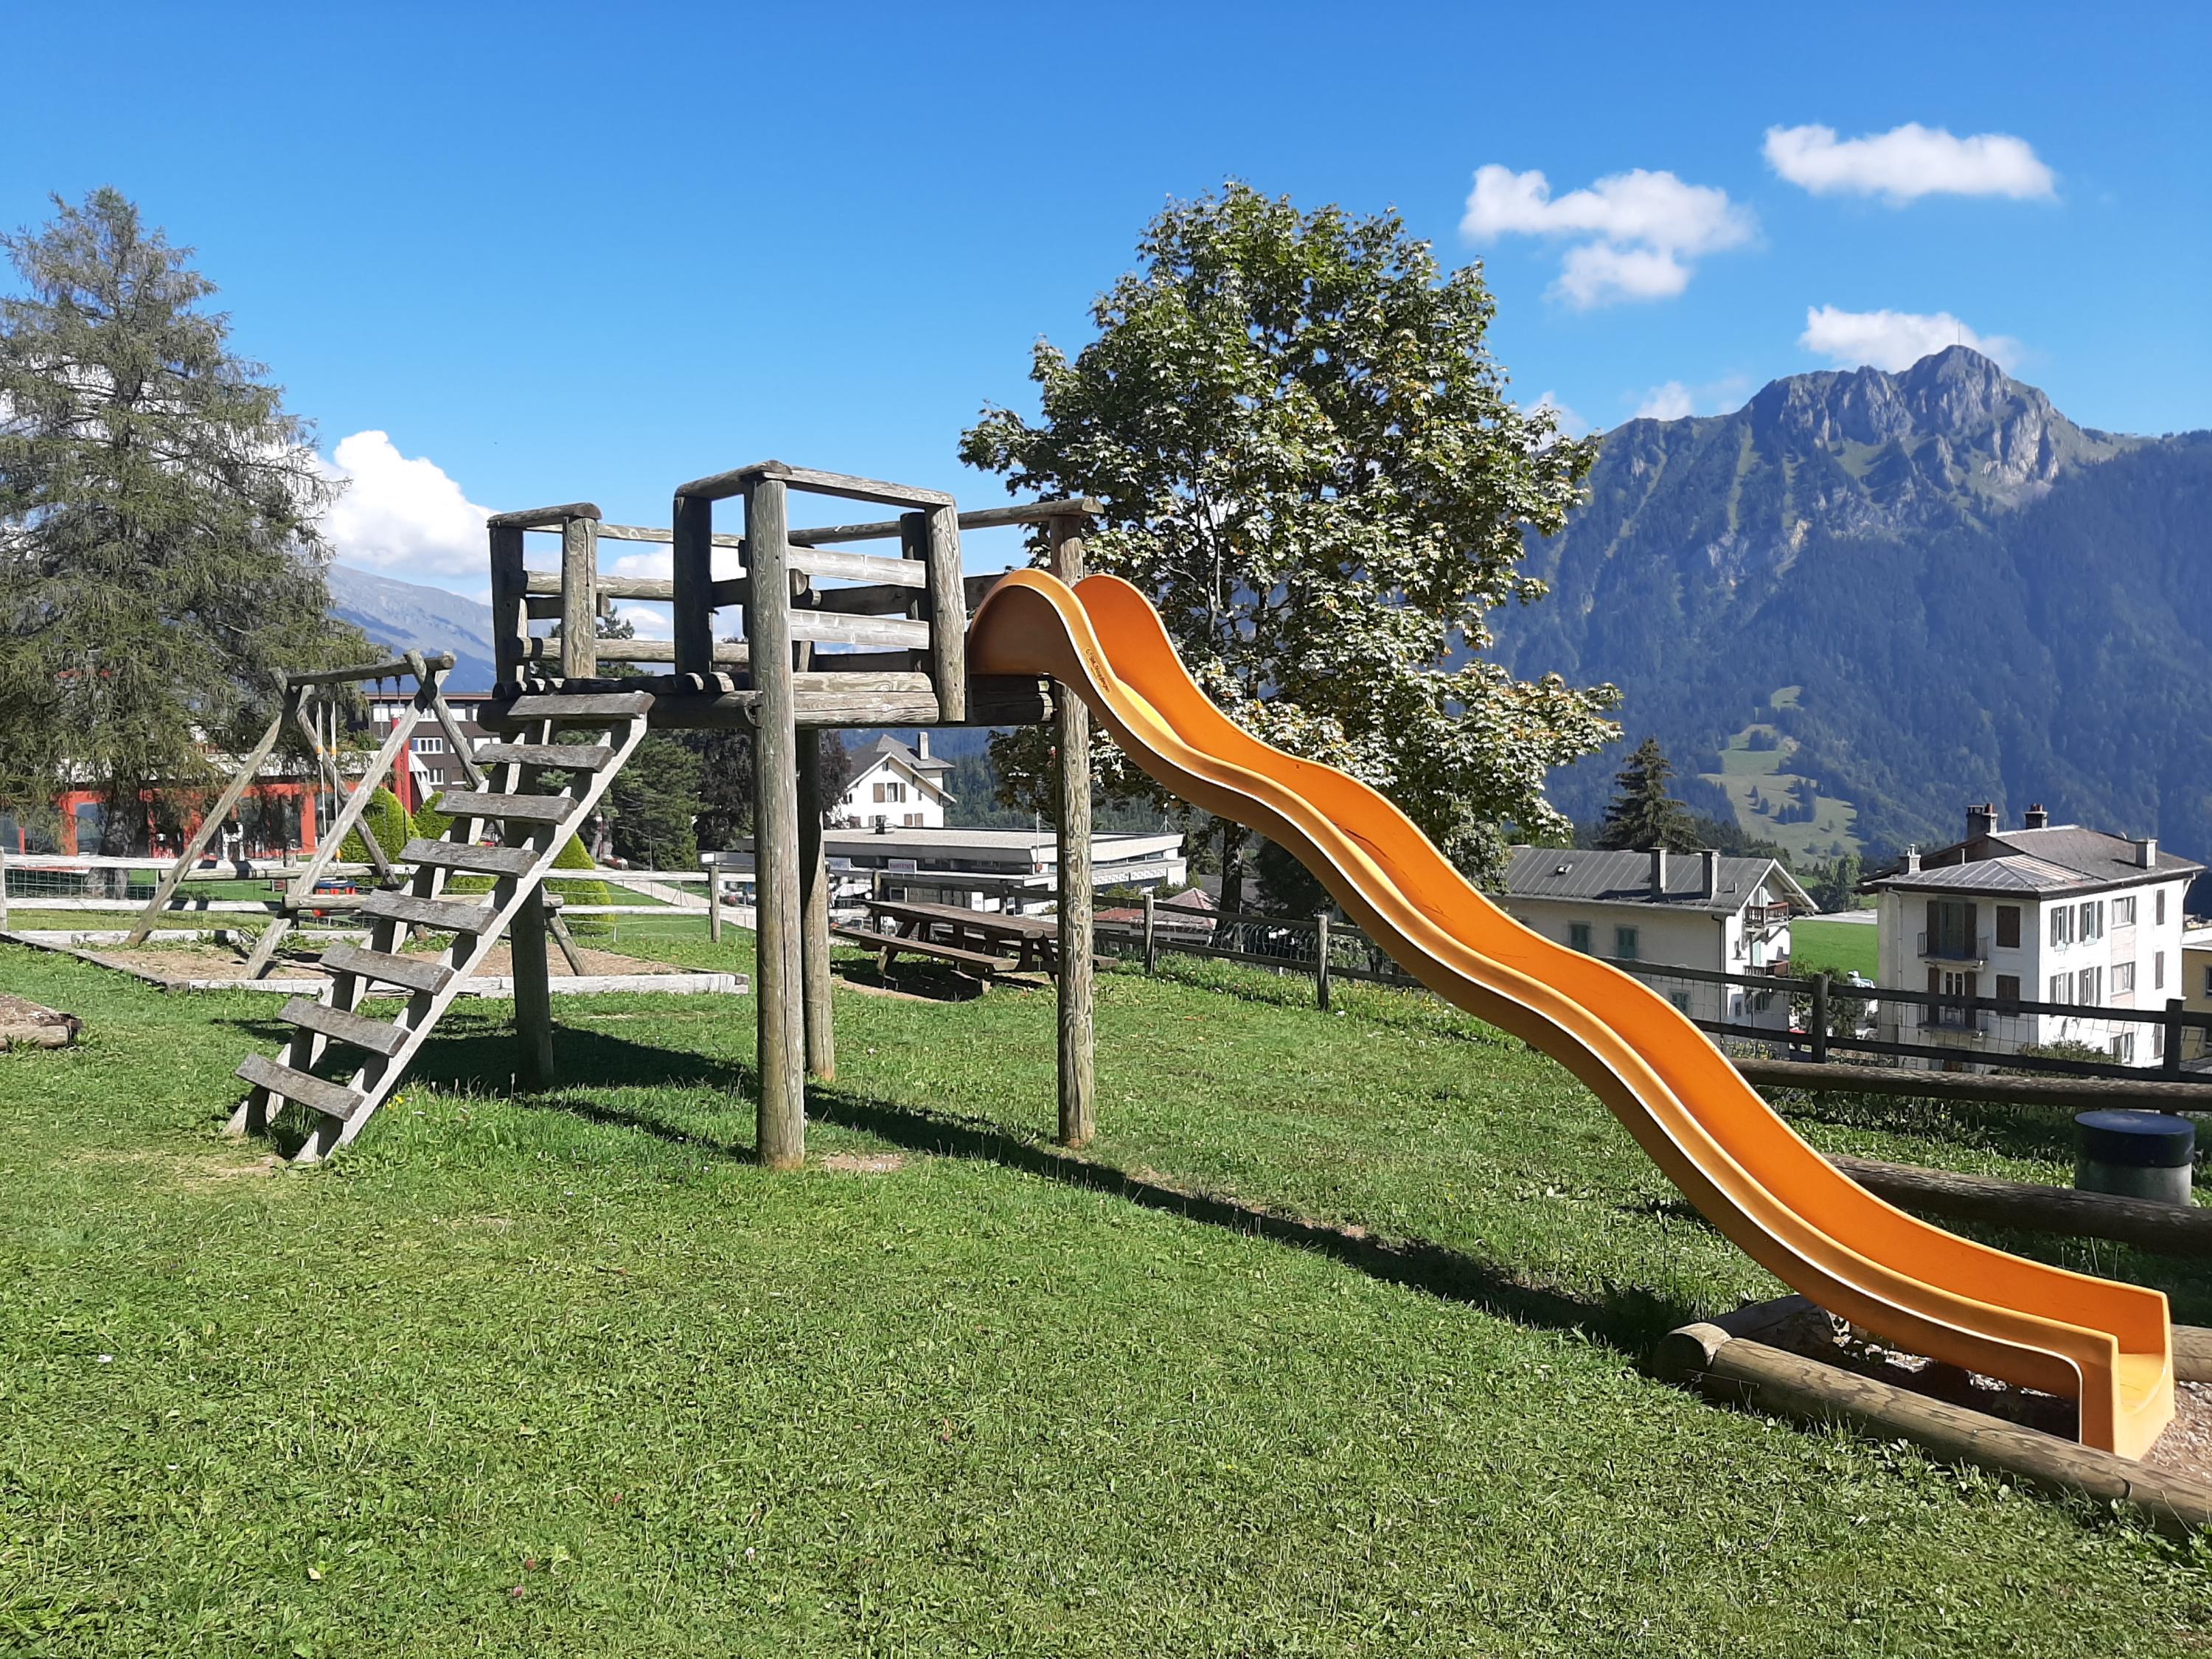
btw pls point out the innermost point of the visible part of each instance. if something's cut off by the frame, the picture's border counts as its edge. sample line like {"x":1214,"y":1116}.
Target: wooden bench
{"x":896,"y":945}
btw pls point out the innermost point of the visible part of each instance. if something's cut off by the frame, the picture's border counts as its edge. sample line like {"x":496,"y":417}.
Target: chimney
{"x":1709,"y":873}
{"x":2037,"y":818}
{"x":1912,"y":860}
{"x":921,"y":743}
{"x":1658,"y":872}
{"x":1980,"y":820}
{"x":2146,"y":852}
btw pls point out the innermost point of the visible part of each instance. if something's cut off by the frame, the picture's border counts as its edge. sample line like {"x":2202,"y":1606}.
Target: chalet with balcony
{"x":1700,"y":910}
{"x":2010,"y":930}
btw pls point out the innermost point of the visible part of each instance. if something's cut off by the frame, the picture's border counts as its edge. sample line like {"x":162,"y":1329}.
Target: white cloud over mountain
{"x":1638,"y":232}
{"x":400,"y":517}
{"x":1895,"y":339}
{"x":1908,"y":162}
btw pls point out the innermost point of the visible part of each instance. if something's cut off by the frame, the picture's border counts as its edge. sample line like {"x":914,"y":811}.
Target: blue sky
{"x":552,"y":251}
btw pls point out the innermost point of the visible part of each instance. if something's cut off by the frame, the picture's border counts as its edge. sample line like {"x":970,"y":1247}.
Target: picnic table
{"x":985,"y":941}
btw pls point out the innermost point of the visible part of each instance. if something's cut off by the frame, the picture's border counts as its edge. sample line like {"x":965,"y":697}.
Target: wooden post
{"x":1151,"y":938}
{"x":692,"y":549}
{"x":580,"y":598}
{"x":2170,"y":1060}
{"x":533,"y":994}
{"x":778,"y":992}
{"x":948,"y":611}
{"x":3,"y":882}
{"x":714,"y":901}
{"x":1820,"y":1031}
{"x":510,"y":622}
{"x":814,"y":912}
{"x":1320,"y":960}
{"x":1072,"y":734}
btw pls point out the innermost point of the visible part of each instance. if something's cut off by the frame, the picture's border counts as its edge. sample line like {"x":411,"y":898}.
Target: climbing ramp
{"x":541,"y":787}
{"x":2107,"y":1345}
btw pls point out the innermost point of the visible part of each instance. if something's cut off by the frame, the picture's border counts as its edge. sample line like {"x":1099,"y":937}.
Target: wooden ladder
{"x":536,"y":814}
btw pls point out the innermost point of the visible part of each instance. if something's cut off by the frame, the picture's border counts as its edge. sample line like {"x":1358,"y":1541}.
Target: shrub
{"x":385,"y":818}
{"x":431,"y":824}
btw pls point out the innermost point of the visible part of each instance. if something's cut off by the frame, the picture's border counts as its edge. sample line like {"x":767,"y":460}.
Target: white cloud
{"x":1895,"y":339}
{"x":652,"y":622}
{"x":1638,"y":227}
{"x":399,"y":517}
{"x":1908,"y":162}
{"x":1670,"y":402}
{"x":1572,"y":424}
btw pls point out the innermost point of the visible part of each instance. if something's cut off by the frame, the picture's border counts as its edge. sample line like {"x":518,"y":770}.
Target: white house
{"x":2051,"y":915}
{"x":895,"y":787}
{"x":1697,"y":910}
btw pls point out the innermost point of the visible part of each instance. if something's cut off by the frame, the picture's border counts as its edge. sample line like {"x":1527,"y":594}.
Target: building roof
{"x":2063,"y":857}
{"x":888,"y":747}
{"x":1624,"y":876}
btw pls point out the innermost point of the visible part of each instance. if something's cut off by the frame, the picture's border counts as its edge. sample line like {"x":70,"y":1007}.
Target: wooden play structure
{"x":826,"y":637}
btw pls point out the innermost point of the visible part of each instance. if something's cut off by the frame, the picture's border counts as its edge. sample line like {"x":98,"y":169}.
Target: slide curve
{"x":2106,"y":1345}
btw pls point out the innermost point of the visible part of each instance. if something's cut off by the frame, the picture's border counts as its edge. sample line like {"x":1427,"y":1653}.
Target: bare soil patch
{"x":866,"y":1163}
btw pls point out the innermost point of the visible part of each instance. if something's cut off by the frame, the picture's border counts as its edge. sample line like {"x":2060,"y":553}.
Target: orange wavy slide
{"x":2106,"y":1345}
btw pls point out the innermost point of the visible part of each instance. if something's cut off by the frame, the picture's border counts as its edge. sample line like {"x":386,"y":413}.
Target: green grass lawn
{"x":1843,"y":947}
{"x":1328,"y":1346}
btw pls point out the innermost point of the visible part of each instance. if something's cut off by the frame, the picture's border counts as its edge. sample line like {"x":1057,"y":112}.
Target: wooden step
{"x":331,"y":1099}
{"x":584,"y":705}
{"x":376,"y":1037}
{"x":415,"y":973}
{"x":466,"y":855}
{"x":447,"y":915}
{"x":569,"y":757}
{"x":528,"y":809}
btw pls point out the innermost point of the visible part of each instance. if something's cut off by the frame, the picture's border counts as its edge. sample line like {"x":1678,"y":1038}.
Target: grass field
{"x":1328,"y":1346}
{"x":1843,"y":947}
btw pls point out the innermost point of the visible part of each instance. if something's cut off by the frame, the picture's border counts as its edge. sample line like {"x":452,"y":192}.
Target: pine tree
{"x":159,"y":560}
{"x":1642,"y":814}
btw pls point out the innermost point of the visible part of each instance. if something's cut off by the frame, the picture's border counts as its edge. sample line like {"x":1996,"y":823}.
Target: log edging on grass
{"x":2165,"y":1229}
{"x":1733,"y":1369}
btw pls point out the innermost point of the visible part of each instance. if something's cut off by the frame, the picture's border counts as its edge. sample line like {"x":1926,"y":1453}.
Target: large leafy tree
{"x":159,"y":561}
{"x":1642,"y":813}
{"x":1310,"y":462}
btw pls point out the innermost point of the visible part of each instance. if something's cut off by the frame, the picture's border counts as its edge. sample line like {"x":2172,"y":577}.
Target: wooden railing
{"x":899,"y":619}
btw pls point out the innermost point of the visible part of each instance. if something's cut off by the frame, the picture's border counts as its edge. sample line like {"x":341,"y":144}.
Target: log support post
{"x":779,"y":990}
{"x":1152,"y":935}
{"x":1819,"y":1034}
{"x":814,"y":912}
{"x":1320,"y":960}
{"x":510,"y":622}
{"x":1072,"y":734}
{"x":533,"y":994}
{"x":580,"y":598}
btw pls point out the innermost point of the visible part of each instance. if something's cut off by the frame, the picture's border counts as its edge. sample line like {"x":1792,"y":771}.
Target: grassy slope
{"x":1847,"y":947}
{"x":569,"y":1375}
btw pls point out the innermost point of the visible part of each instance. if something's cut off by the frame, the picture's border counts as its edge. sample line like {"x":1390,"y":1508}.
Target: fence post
{"x":1320,"y":960}
{"x":2171,"y":1059}
{"x":3,"y":885}
{"x":714,"y":901}
{"x":1151,"y":946}
{"x":1820,"y":1032}
{"x":1071,"y":791}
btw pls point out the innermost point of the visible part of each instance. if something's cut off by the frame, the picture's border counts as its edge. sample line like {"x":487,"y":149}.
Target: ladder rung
{"x":569,"y":757}
{"x":531,"y":809}
{"x":464,"y":855}
{"x":377,"y":1036}
{"x":413,"y":972}
{"x":448,"y":915}
{"x":331,"y":1099}
{"x":584,"y":705}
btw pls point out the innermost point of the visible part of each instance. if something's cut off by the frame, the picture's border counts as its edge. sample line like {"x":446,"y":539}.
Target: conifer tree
{"x":1642,"y":814}
{"x":159,"y":558}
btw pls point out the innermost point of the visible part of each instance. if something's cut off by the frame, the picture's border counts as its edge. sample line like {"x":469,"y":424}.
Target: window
{"x":1950,"y":929}
{"x":881,"y":798}
{"x":2089,"y":984}
{"x":2208,"y":981}
{"x":1578,"y":939}
{"x":2158,"y":908}
{"x":912,"y":821}
{"x":897,"y":792}
{"x":1624,"y":944}
{"x":2124,"y":911}
{"x":2093,"y":920}
{"x":429,"y":746}
{"x":2062,"y":924}
{"x":1681,"y":999}
{"x":2124,"y":1047}
{"x":2008,"y":927}
{"x":2061,"y":988}
{"x":2124,"y":978}
{"x":2009,"y":988}
{"x":2158,"y":969}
